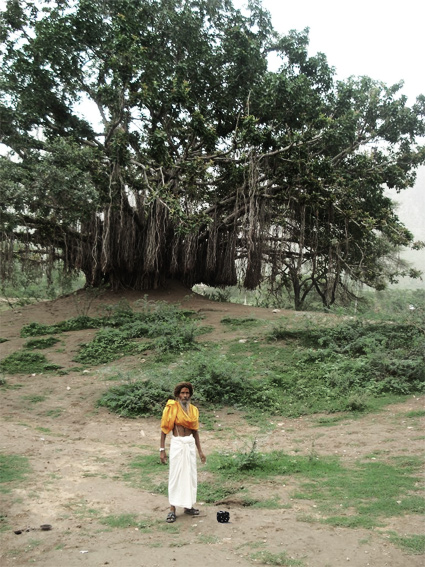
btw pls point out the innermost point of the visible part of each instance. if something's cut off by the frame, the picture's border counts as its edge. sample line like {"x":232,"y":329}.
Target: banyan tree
{"x":152,"y":140}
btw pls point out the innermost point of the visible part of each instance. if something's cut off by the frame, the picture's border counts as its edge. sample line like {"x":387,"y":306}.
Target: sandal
{"x":171,"y":518}
{"x":191,"y":511}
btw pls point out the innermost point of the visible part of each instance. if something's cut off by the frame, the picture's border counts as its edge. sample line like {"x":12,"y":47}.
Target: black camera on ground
{"x":223,"y":517}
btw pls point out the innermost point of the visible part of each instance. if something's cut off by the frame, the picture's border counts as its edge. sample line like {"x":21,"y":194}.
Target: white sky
{"x":383,"y":39}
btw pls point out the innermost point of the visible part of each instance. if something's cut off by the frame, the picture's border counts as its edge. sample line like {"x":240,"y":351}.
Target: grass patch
{"x":13,"y":469}
{"x":367,"y":493}
{"x":216,"y":490}
{"x":416,"y":413}
{"x":147,"y":472}
{"x":360,"y":496}
{"x":331,"y":420}
{"x":34,"y":398}
{"x":120,"y":521}
{"x":414,"y":544}
{"x":208,"y":539}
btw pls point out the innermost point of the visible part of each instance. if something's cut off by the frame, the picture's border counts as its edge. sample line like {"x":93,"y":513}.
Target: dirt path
{"x":78,"y":454}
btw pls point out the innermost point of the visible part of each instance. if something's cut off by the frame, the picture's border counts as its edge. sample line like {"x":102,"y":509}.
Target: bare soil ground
{"x":78,"y":452}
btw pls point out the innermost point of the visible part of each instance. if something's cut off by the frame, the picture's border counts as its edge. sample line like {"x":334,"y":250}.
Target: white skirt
{"x":182,"y":481}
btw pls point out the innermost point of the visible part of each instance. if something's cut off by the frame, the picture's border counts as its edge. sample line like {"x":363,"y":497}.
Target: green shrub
{"x":79,"y":323}
{"x":218,"y":381}
{"x":74,"y":324}
{"x":36,"y":329}
{"x":107,"y":345}
{"x":139,"y":398}
{"x":23,"y":362}
{"x":174,"y":337}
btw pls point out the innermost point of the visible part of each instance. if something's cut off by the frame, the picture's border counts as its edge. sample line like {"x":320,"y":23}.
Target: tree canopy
{"x":153,"y":140}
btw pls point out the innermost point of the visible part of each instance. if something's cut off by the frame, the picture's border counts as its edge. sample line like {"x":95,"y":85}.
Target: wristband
{"x":161,"y":449}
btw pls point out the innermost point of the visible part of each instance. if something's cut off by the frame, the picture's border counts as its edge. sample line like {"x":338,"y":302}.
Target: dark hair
{"x":180,"y":387}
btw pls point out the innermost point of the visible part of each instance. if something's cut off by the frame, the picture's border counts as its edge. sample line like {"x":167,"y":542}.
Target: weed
{"x":108,"y":344}
{"x":269,"y":504}
{"x":145,"y":525}
{"x":217,"y":490}
{"x":55,"y":412}
{"x":331,"y":420}
{"x":353,"y":522}
{"x":79,"y":508}
{"x":34,"y":398}
{"x":120,"y":521}
{"x":142,"y":397}
{"x":85,"y":298}
{"x":164,"y":324}
{"x":216,"y":294}
{"x":236,"y":322}
{"x":41,"y":343}
{"x":2,"y":340}
{"x":23,"y":362}
{"x":176,"y":337}
{"x":264,"y":465}
{"x":36,"y":329}
{"x":207,"y":539}
{"x":4,"y":524}
{"x":74,"y":324}
{"x":268,"y":558}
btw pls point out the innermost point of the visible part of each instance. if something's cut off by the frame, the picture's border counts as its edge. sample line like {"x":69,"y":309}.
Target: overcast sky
{"x":378,"y":38}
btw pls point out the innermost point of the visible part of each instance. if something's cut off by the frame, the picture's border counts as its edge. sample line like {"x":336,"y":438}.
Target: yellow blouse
{"x":174,"y":414}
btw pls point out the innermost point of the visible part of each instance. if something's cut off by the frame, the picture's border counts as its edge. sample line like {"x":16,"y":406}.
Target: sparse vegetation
{"x":268,"y":558}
